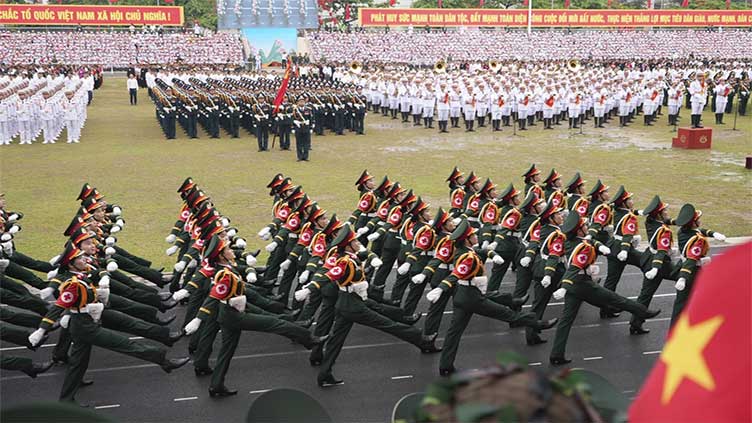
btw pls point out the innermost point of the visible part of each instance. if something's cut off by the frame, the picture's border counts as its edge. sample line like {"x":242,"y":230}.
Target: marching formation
{"x":43,"y":101}
{"x":334,"y":271}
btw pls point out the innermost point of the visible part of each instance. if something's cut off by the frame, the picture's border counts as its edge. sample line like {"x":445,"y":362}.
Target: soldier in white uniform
{"x":722,"y":91}
{"x":468,"y":107}
{"x":523,"y":104}
{"x":416,"y":101}
{"x":698,"y":90}
{"x":674,"y":102}
{"x":442,"y":106}
{"x":481,"y":108}
{"x":497,"y":102}
{"x":455,"y":105}
{"x":404,"y":99}
{"x":429,"y":104}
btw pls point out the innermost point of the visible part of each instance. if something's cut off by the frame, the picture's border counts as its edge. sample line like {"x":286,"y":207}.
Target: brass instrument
{"x":440,"y":66}
{"x":356,"y":67}
{"x":574,"y":65}
{"x":494,"y":65}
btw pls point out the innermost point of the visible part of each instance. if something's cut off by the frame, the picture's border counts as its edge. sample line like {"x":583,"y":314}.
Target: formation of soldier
{"x":335,"y":271}
{"x":39,"y":103}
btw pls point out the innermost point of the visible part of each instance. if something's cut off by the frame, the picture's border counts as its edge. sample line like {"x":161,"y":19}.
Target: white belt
{"x":403,"y":242}
{"x":70,"y":310}
{"x":427,"y":253}
{"x":545,"y":257}
{"x":517,"y":234}
{"x":293,"y":236}
{"x":393,"y":230}
{"x":463,"y":282}
{"x":348,"y":288}
{"x":619,"y":237}
{"x":370,"y":214}
{"x":446,"y":266}
{"x":472,"y":219}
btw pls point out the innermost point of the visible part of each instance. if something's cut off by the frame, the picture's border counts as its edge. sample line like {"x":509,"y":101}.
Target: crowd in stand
{"x":428,"y":48}
{"x":118,"y":49}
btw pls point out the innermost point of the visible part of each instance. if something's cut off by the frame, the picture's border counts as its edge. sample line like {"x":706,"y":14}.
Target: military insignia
{"x":67,"y":298}
{"x":582,"y":259}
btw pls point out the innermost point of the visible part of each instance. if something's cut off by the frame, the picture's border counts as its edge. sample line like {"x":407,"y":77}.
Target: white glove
{"x":115,"y":229}
{"x":109,"y":251}
{"x":65,"y":321}
{"x":14,"y":229}
{"x":434,"y":294}
{"x":267,"y":237}
{"x":546,"y":281}
{"x":172,"y":250}
{"x":593,"y":270}
{"x":560,"y":293}
{"x":498,"y":260}
{"x":191,"y":264}
{"x":225,"y":222}
{"x":104,"y":282}
{"x":650,"y":274}
{"x":192,"y":326}
{"x":271,"y":246}
{"x":285,"y":264}
{"x":636,"y":240}
{"x":609,"y":229}
{"x":361,"y":289}
{"x":36,"y":337}
{"x":13,"y":217}
{"x":121,"y":223}
{"x":419,"y":278}
{"x":719,"y":236}
{"x":231,"y":232}
{"x":117,"y":211}
{"x":238,"y":303}
{"x":103,"y":295}
{"x":251,"y":277}
{"x":112,"y":266}
{"x":604,"y":250}
{"x":403,"y":268}
{"x":240,"y":243}
{"x":376,"y":262}
{"x":181,"y":294}
{"x":264,"y":232}
{"x":95,"y":310}
{"x":681,"y":284}
{"x":457,"y":220}
{"x":525,"y":261}
{"x":4,"y":263}
{"x":54,"y":260}
{"x":480,"y":282}
{"x":622,"y":256}
{"x":362,"y":231}
{"x":492,"y":246}
{"x":484,"y":246}
{"x":179,"y":266}
{"x":52,"y":273}
{"x":302,"y":294}
{"x":110,"y":241}
{"x":8,"y":248}
{"x":373,"y":237}
{"x":6,"y":237}
{"x":304,"y":276}
{"x":46,"y":293}
{"x":250,"y":260}
{"x":704,"y":261}
{"x":171,"y":238}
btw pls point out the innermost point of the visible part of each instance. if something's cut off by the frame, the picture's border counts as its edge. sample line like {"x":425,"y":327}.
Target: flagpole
{"x":529,"y":16}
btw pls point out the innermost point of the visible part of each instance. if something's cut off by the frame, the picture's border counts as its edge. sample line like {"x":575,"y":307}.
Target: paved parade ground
{"x":377,"y":369}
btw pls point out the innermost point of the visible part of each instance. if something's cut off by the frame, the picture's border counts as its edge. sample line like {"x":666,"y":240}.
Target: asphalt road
{"x":377,"y":368}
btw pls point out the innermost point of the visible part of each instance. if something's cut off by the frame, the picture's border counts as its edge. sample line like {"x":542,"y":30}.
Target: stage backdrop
{"x":30,"y":14}
{"x":554,"y":17}
{"x":273,"y":44}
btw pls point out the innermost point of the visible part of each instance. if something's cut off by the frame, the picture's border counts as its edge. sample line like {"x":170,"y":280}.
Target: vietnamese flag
{"x":703,"y":372}
{"x":440,"y":4}
{"x":728,"y":4}
{"x":282,"y":89}
{"x":685,"y":3}
{"x":525,"y":2}
{"x":566,"y":4}
{"x":347,"y":12}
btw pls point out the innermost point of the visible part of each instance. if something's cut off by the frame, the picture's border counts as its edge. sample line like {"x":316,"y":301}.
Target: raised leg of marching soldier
{"x":15,"y":334}
{"x":19,"y":317}
{"x":615,"y":270}
{"x":134,"y":258}
{"x":267,"y":304}
{"x":436,"y":309}
{"x":151,"y":275}
{"x":19,"y":272}
{"x":86,"y":333}
{"x":682,"y":297}
{"x":127,"y":281}
{"x":392,"y":312}
{"x":24,"y":364}
{"x":26,"y":301}
{"x":30,"y":263}
{"x":524,"y":275}
{"x":138,"y":310}
{"x":413,"y":296}
{"x":649,"y":286}
{"x":121,"y":322}
{"x":541,"y":297}
{"x":141,"y":296}
{"x":325,"y":320}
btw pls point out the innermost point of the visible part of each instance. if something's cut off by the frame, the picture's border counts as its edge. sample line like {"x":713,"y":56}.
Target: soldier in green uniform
{"x":414,"y":258}
{"x":470,"y":297}
{"x":578,"y":286}
{"x":505,"y":240}
{"x":349,"y":276}
{"x":227,"y":301}
{"x":531,"y":178}
{"x":552,"y":190}
{"x":575,"y":191}
{"x":24,"y":364}
{"x":656,"y":261}
{"x":82,"y":303}
{"x":528,"y":227}
{"x":456,"y":181}
{"x":474,"y":198}
{"x":694,"y":248}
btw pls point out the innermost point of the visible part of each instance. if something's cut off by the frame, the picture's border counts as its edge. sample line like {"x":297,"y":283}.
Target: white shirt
{"x":132,"y":83}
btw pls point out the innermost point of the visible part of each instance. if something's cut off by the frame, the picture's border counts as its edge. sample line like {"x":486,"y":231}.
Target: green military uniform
{"x":411,"y":262}
{"x":529,"y":230}
{"x":578,"y":286}
{"x":506,"y":239}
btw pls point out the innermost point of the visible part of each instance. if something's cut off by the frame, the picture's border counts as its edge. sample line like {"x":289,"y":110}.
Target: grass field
{"x":122,"y":153}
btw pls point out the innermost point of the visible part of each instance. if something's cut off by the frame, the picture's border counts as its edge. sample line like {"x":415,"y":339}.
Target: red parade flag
{"x":392,"y":2}
{"x":347,"y":12}
{"x":525,"y":2}
{"x":282,"y":89}
{"x":703,"y":372}
{"x":728,"y":4}
{"x":566,"y":4}
{"x":481,"y":3}
{"x":650,"y":4}
{"x":440,"y":4}
{"x":685,"y":3}
{"x":169,"y":1}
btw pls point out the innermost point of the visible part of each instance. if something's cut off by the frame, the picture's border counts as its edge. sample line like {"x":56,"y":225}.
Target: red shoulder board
{"x":556,"y":198}
{"x":283,"y":212}
{"x":337,"y":270}
{"x":207,"y":270}
{"x":463,"y":268}
{"x":556,"y":244}
{"x":318,"y":245}
{"x":490,"y":213}
{"x":697,"y":248}
{"x":383,"y":211}
{"x":424,"y":238}
{"x":367,"y":202}
{"x":222,"y":287}
{"x":583,"y":255}
{"x":293,"y":222}
{"x":474,"y":202}
{"x":602,"y":215}
{"x":630,"y":225}
{"x":445,"y":249}
{"x":395,"y":216}
{"x":69,"y":294}
{"x":535,"y":231}
{"x":306,"y":235}
{"x":581,"y":206}
{"x":664,"y":238}
{"x":511,"y":220}
{"x":458,"y":196}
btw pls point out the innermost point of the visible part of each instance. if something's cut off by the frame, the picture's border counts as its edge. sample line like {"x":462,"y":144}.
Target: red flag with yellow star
{"x":703,"y":373}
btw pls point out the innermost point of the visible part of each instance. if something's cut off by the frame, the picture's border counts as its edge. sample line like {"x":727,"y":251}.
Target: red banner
{"x":23,"y":14}
{"x":554,"y":17}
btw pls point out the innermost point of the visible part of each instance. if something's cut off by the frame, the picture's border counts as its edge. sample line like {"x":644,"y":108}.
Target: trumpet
{"x":494,"y":65}
{"x":573,"y":65}
{"x":356,"y":67}
{"x":440,"y":67}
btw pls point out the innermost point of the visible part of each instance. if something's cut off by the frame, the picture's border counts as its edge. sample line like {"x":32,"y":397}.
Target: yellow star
{"x":683,"y":355}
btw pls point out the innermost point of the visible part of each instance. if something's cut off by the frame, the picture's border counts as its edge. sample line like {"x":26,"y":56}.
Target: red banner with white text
{"x":29,"y":14}
{"x":554,"y":17}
